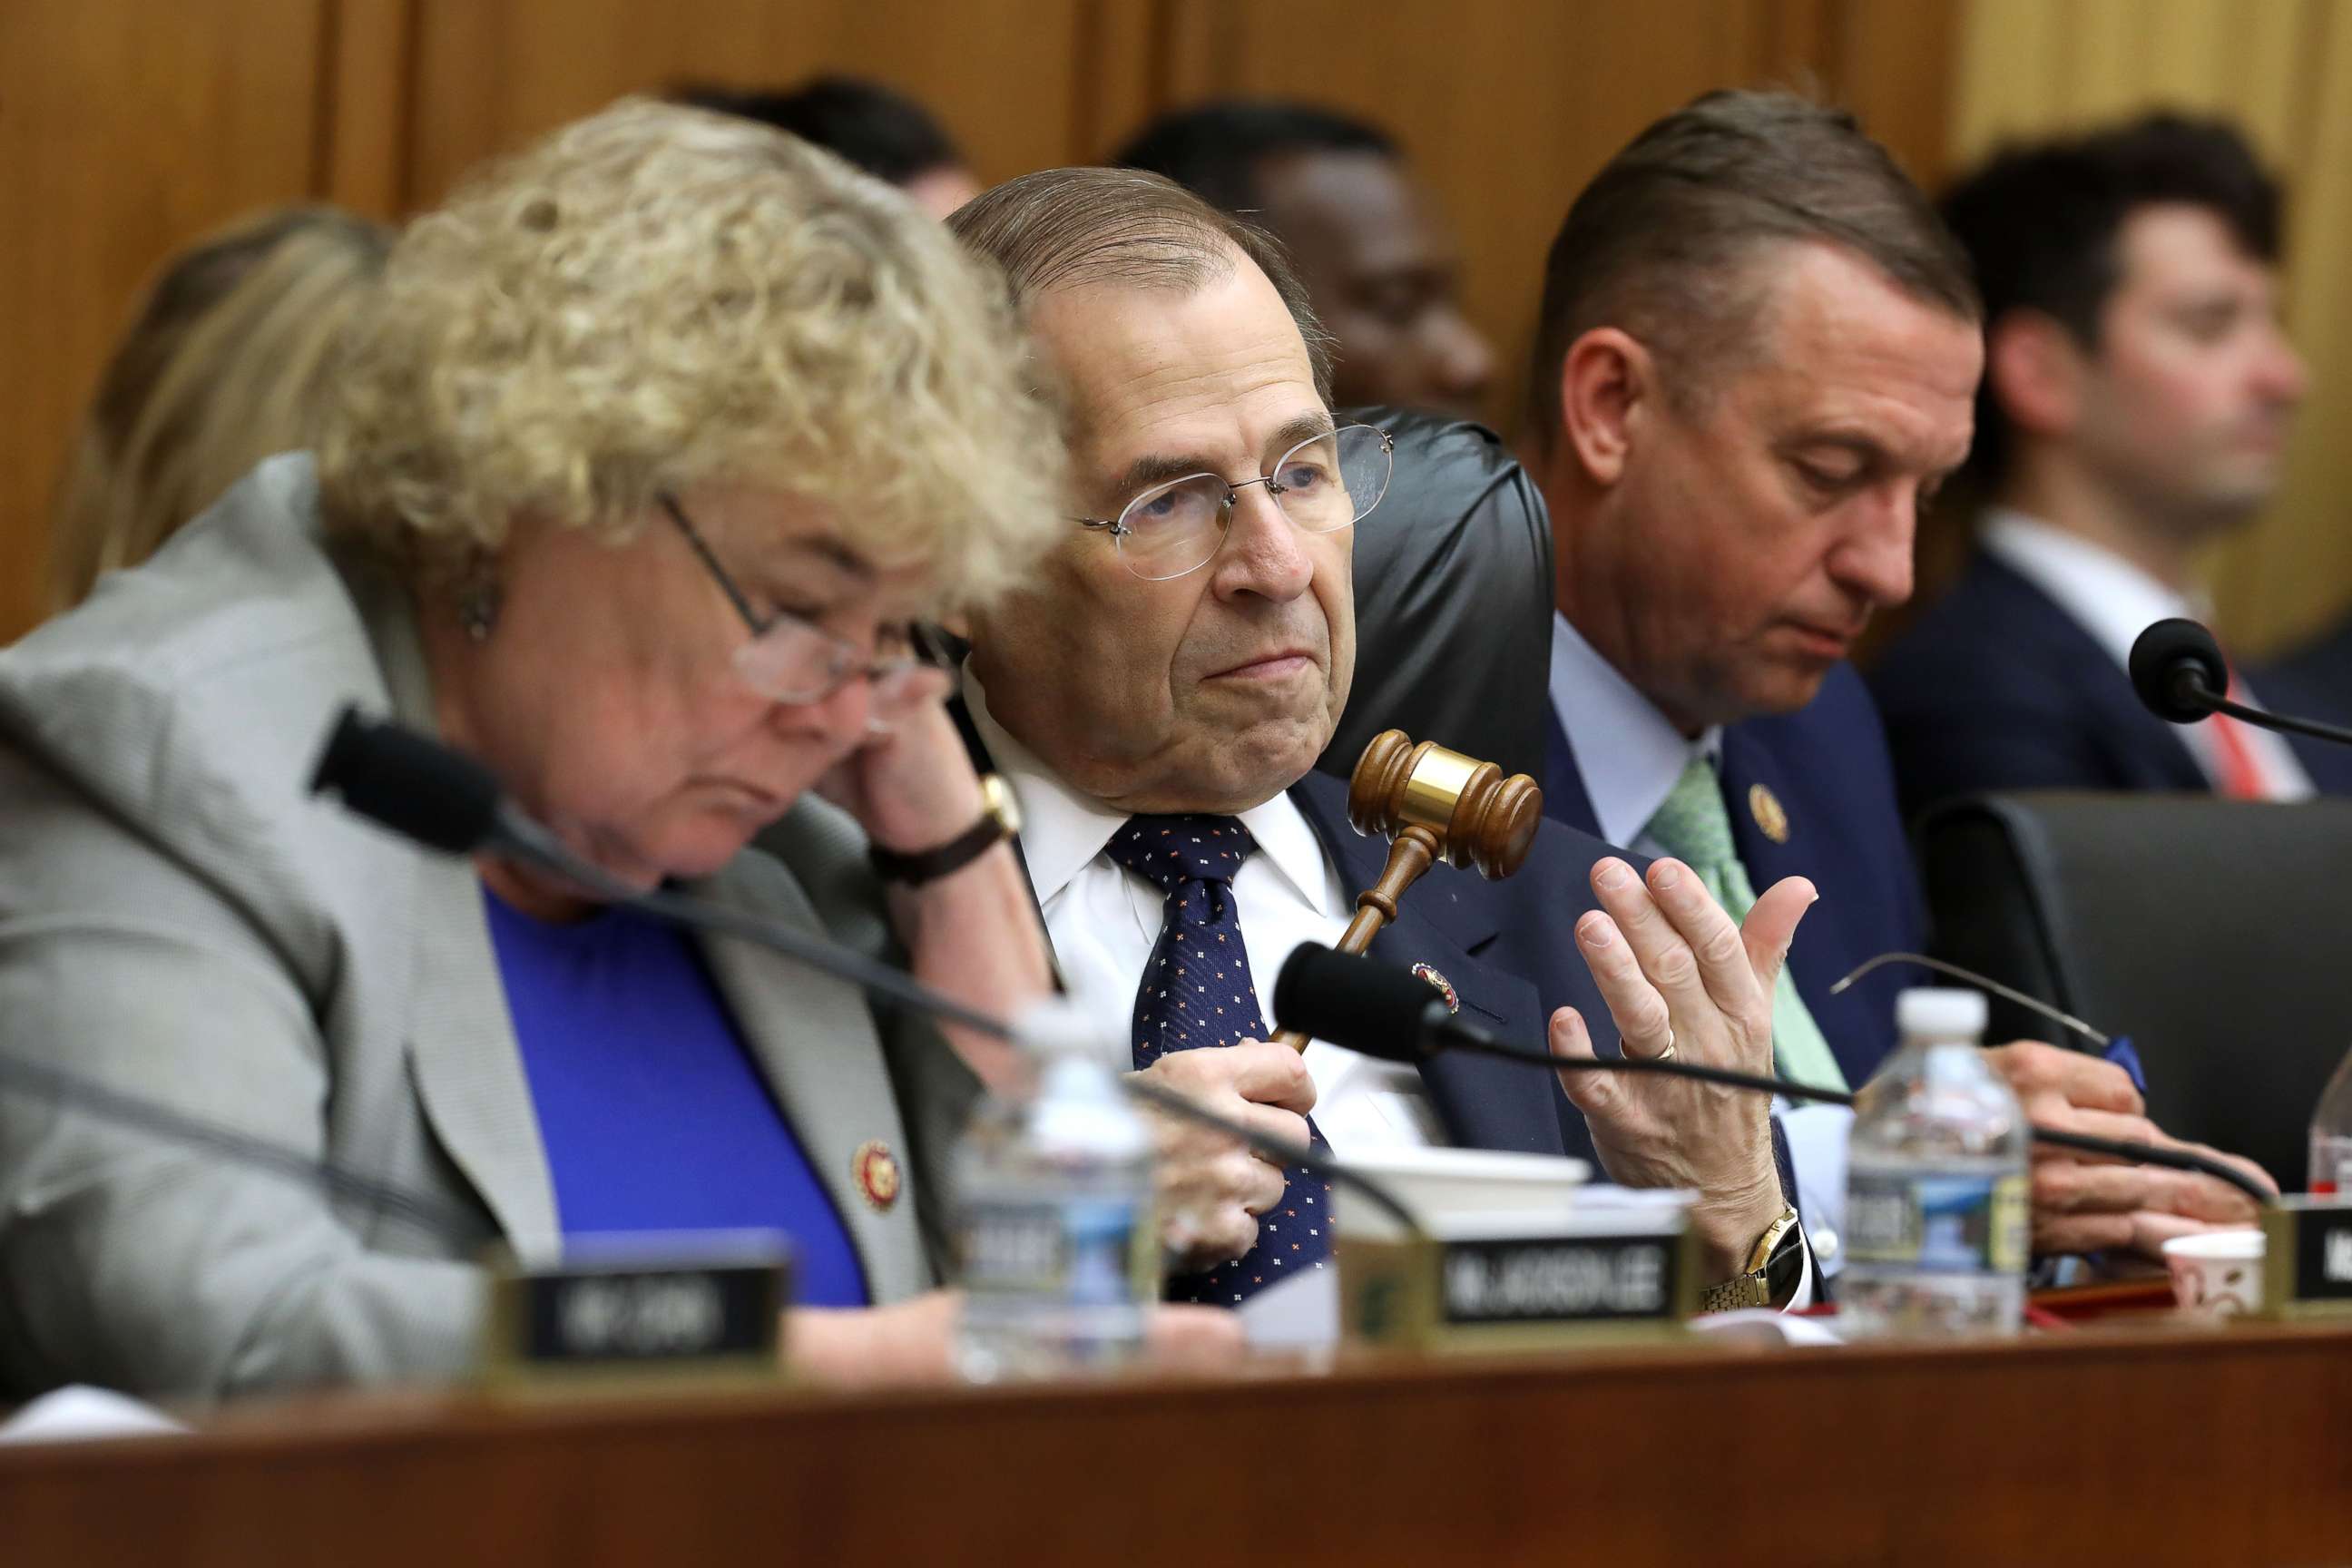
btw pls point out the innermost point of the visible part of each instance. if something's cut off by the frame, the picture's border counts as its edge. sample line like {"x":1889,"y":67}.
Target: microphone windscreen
{"x":409,"y":783}
{"x":1353,"y":1002}
{"x":2162,"y":654}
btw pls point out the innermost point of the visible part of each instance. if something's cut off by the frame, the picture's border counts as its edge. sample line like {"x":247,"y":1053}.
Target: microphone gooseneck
{"x":1387,"y":1013}
{"x":445,"y":800}
{"x":71,"y":1091}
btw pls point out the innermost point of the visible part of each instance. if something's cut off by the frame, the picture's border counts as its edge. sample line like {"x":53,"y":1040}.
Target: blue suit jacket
{"x":1997,"y":688}
{"x":1826,"y":764}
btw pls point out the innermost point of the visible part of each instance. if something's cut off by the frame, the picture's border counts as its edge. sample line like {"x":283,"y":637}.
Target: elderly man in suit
{"x":1756,"y":358}
{"x":1158,"y":697}
{"x":2137,"y":395}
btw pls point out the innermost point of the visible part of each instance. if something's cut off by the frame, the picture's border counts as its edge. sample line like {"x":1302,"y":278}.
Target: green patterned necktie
{"x":1695,"y":826}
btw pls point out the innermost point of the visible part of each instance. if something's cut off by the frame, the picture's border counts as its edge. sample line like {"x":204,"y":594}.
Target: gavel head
{"x":1478,"y":817}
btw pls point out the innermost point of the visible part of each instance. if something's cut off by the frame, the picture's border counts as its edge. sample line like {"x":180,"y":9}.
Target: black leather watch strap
{"x":998,"y":821}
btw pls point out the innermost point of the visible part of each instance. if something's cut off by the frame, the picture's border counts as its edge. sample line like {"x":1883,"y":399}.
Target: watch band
{"x":1780,"y":1246}
{"x":1000,"y":819}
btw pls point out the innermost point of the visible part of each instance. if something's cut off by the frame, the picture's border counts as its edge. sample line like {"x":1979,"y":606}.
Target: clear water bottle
{"x":1056,"y":1241}
{"x":2331,"y":1138}
{"x":1936,"y":1216}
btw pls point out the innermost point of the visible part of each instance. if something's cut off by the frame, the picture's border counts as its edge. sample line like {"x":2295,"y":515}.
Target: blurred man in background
{"x":1369,"y":241}
{"x":2137,"y":395}
{"x":885,"y":134}
{"x":1755,"y":357}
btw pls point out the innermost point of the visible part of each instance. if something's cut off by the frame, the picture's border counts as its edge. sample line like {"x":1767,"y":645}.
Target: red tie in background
{"x":2233,"y":751}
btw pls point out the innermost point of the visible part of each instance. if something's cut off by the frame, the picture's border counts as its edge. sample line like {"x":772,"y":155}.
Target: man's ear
{"x":2037,"y":373}
{"x":1606,"y":383}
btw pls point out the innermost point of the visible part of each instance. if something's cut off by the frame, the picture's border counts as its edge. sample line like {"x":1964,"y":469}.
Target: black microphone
{"x":445,"y":800}
{"x":2178,"y":671}
{"x":1388,"y":1014}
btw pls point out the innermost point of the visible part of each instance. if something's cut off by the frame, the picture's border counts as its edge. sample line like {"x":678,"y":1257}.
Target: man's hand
{"x":1211,"y":1189}
{"x":2088,"y":1202}
{"x":1677,"y":974}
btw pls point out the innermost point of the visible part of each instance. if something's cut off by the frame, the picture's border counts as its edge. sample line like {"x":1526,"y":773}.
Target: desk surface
{"x":2145,"y":1446}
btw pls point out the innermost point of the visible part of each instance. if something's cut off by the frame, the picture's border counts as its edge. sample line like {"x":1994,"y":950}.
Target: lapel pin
{"x":1443,"y":987}
{"x":876,"y":1170}
{"x":1770,"y":815}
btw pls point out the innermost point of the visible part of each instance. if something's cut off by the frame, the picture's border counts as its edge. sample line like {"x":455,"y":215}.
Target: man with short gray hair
{"x":1158,"y":698}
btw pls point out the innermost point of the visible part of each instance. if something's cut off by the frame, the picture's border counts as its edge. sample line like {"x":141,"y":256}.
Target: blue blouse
{"x":654,"y":1114}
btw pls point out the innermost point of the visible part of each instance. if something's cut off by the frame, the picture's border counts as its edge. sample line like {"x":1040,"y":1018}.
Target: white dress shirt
{"x":2114,"y":601}
{"x":1630,"y":756}
{"x":1104,"y":922}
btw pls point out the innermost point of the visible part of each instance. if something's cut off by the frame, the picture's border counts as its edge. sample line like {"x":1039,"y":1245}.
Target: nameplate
{"x":2307,"y":1258}
{"x":1582,"y":1279}
{"x":1513,"y":1292}
{"x":642,"y":1310}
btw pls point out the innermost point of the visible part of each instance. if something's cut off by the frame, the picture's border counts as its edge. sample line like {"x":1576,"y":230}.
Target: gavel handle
{"x":1413,"y":852}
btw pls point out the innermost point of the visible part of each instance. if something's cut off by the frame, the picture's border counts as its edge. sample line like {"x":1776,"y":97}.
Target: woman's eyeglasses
{"x":791,"y":658}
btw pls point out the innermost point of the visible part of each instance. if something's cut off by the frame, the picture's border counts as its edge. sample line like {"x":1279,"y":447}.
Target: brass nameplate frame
{"x":652,"y":1308}
{"x":1518,"y":1293}
{"x":2307,"y":1258}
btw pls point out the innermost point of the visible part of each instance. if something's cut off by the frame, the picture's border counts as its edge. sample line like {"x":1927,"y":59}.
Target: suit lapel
{"x":1442,"y":923}
{"x":814,"y":1039}
{"x":469,"y":1071}
{"x":1757,"y":791}
{"x":1565,"y":798}
{"x":461,"y":1044}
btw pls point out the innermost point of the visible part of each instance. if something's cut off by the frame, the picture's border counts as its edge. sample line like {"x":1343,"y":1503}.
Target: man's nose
{"x":1263,"y":552}
{"x":2280,"y":373}
{"x":1876,"y":559}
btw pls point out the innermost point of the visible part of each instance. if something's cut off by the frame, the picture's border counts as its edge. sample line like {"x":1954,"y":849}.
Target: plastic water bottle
{"x":1936,"y":1195}
{"x":2331,"y":1138}
{"x":1056,"y":1241}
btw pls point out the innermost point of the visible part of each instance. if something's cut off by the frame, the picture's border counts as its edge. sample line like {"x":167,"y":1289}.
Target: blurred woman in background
{"x":225,"y":364}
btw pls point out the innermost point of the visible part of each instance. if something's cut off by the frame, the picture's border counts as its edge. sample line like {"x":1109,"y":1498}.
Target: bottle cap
{"x":1940,"y":1013}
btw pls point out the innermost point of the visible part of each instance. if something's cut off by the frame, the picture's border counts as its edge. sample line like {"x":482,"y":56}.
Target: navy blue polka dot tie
{"x":1197,"y":992}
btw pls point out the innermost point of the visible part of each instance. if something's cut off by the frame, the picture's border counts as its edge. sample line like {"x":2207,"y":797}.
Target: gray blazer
{"x":180,"y":920}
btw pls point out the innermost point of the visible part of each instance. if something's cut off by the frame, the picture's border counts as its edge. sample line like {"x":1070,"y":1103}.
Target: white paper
{"x":1300,"y":1313}
{"x":80,"y":1413}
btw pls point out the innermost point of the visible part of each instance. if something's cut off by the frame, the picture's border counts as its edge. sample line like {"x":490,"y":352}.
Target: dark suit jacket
{"x":1509,"y":950}
{"x":1997,"y":688}
{"x":1826,"y":765}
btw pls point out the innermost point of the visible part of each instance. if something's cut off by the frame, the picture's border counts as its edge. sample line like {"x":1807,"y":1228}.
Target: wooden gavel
{"x":1435,"y":804}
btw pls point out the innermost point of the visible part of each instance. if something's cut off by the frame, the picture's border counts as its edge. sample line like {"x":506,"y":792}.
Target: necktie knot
{"x":1167,"y":851}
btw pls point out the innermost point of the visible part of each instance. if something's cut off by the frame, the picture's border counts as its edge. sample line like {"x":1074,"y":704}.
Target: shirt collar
{"x":1064,"y":831}
{"x":2108,"y":596}
{"x":1629,"y":755}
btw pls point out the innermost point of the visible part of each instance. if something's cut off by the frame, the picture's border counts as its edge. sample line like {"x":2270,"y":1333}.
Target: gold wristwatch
{"x":1773,"y":1269}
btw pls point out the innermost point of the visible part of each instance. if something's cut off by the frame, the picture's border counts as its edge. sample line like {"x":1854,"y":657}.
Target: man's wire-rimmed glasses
{"x":1325,"y":483}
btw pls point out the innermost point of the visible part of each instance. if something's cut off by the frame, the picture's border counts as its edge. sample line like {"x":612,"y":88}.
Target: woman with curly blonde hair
{"x":654,"y":447}
{"x":225,"y":364}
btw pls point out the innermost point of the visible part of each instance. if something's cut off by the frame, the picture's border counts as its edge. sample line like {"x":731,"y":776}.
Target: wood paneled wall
{"x":128,"y":129}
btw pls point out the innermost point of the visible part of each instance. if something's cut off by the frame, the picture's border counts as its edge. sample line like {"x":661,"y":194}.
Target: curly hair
{"x":659,"y":297}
